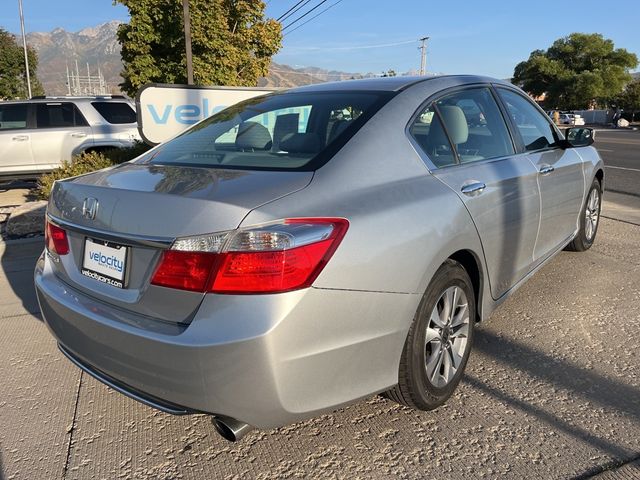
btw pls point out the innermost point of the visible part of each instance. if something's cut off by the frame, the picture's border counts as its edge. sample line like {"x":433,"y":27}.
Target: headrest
{"x":301,"y":143}
{"x":253,"y":136}
{"x":455,"y":123}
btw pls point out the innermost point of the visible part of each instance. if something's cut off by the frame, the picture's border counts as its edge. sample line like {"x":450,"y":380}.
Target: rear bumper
{"x":267,"y":360}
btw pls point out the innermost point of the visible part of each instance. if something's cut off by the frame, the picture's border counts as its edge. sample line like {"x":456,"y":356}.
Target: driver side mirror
{"x":579,"y":136}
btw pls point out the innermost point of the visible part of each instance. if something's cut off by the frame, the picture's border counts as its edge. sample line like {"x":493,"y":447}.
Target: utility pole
{"x":187,"y":41}
{"x":24,"y":46}
{"x":423,"y":55}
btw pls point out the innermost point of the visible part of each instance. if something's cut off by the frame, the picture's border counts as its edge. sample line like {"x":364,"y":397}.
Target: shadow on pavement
{"x":18,"y":261}
{"x":592,"y":386}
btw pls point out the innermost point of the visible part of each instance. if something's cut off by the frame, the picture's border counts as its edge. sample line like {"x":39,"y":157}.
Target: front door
{"x":560,"y":173}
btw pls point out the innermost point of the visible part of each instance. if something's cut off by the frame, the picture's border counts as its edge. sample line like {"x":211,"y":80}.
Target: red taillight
{"x":262,"y":272}
{"x":184,"y":270}
{"x":271,"y":259}
{"x":56,"y":239}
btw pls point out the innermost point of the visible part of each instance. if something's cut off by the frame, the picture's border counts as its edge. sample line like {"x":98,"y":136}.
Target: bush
{"x":86,"y":163}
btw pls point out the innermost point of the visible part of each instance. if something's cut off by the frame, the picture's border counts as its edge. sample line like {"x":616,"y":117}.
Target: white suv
{"x":37,"y":135}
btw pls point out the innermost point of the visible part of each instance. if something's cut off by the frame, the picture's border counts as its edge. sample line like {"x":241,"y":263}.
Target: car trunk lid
{"x":143,"y":208}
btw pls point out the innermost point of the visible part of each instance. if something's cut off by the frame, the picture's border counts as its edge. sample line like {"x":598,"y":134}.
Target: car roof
{"x":389,"y":84}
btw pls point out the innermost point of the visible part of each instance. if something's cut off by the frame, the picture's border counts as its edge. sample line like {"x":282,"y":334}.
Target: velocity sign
{"x":166,"y":110}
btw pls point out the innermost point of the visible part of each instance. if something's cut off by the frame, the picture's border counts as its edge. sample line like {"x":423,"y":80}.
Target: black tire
{"x":583,"y":241}
{"x":414,"y":388}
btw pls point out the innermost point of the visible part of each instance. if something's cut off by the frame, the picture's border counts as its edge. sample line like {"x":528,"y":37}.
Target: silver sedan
{"x":305,"y":249}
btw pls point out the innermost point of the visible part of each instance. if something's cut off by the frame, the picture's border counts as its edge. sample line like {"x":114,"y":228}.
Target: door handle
{"x":79,"y":135}
{"x":20,"y":138}
{"x":546,"y":169}
{"x":473,"y":188}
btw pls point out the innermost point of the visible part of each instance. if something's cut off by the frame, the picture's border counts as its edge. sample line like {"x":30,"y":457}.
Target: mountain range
{"x":98,"y":48}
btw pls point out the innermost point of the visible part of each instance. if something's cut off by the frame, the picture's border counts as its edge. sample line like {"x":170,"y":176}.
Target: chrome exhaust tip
{"x":230,"y":429}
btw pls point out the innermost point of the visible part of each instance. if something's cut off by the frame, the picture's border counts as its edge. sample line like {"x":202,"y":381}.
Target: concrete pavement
{"x":552,"y":390}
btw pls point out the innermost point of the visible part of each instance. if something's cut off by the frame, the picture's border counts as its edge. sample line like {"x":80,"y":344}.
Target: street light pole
{"x":187,"y":41}
{"x":24,"y":46}
{"x":423,"y":55}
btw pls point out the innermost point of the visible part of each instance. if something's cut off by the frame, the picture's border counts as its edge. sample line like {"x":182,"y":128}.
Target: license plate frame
{"x":102,"y":271}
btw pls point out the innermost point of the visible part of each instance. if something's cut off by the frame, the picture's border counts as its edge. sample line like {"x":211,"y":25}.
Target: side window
{"x":115,"y":112}
{"x":475,"y":125}
{"x":428,"y":133}
{"x":535,"y":129}
{"x":58,"y":115}
{"x":13,"y":116}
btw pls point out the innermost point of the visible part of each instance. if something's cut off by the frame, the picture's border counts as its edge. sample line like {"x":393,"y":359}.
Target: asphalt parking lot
{"x":552,"y":390}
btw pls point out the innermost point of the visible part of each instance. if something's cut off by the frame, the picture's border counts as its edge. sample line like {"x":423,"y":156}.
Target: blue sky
{"x":488,"y":37}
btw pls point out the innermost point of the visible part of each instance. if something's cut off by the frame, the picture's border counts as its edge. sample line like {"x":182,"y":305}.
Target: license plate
{"x":105,"y":262}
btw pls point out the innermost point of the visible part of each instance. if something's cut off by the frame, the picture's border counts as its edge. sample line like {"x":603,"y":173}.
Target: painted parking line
{"x":623,"y":168}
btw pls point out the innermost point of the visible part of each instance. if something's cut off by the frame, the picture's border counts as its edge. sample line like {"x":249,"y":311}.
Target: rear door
{"x":475,"y":156}
{"x":61,"y":131}
{"x":560,"y":174}
{"x":15,"y":138}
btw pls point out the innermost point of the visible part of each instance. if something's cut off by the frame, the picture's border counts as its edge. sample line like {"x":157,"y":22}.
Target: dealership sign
{"x":166,"y":110}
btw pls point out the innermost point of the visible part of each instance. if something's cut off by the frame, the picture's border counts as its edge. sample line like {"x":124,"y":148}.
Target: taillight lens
{"x":274,"y":258}
{"x":56,"y":239}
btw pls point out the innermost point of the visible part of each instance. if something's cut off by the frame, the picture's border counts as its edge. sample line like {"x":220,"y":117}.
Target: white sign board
{"x":166,"y":110}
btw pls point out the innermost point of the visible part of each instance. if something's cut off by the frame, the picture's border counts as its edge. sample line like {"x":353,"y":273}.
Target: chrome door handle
{"x":546,"y":169}
{"x":79,"y":135}
{"x":473,"y":188}
{"x":20,"y":138}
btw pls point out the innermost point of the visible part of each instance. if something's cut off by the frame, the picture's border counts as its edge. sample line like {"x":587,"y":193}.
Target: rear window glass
{"x":289,"y":131}
{"x":115,"y":112}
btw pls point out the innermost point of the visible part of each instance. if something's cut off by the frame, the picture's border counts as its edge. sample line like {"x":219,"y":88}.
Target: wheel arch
{"x":471,"y":263}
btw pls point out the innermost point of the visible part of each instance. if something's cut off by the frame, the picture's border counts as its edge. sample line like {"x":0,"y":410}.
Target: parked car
{"x":571,"y":119}
{"x":37,"y":135}
{"x":277,"y":260}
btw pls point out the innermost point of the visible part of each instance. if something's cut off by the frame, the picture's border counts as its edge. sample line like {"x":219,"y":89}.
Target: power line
{"x":291,"y":10}
{"x":304,"y":15}
{"x":315,"y":16}
{"x":356,"y":47}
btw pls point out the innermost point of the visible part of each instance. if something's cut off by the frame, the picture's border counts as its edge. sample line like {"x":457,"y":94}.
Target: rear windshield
{"x":115,"y":112}
{"x":288,"y":131}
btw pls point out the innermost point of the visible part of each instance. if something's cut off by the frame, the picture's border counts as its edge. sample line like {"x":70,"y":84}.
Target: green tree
{"x":232,"y":42}
{"x":13,"y":82}
{"x":629,"y":99}
{"x":389,"y":73}
{"x":576,"y":71}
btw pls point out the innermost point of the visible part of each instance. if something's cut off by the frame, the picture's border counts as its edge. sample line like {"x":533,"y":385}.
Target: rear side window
{"x":13,"y":116}
{"x":428,"y":132}
{"x":474,"y":128}
{"x":115,"y":112}
{"x":58,"y":115}
{"x":535,"y":129}
{"x":288,"y":131}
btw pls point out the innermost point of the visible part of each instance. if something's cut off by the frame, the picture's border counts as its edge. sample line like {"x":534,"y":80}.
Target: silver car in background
{"x":308,"y":248}
{"x":37,"y":135}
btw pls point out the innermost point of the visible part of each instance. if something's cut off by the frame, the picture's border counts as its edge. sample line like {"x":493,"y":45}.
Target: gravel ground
{"x":552,"y":390}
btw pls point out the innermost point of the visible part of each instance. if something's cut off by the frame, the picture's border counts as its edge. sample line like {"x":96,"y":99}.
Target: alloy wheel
{"x":446,"y":336}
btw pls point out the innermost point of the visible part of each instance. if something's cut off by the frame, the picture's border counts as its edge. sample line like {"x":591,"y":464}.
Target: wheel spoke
{"x":448,"y":370}
{"x":434,"y":364}
{"x":435,"y":317}
{"x":461,"y":331}
{"x":461,"y":316}
{"x":432,"y":335}
{"x":456,"y":359}
{"x":447,"y":306}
